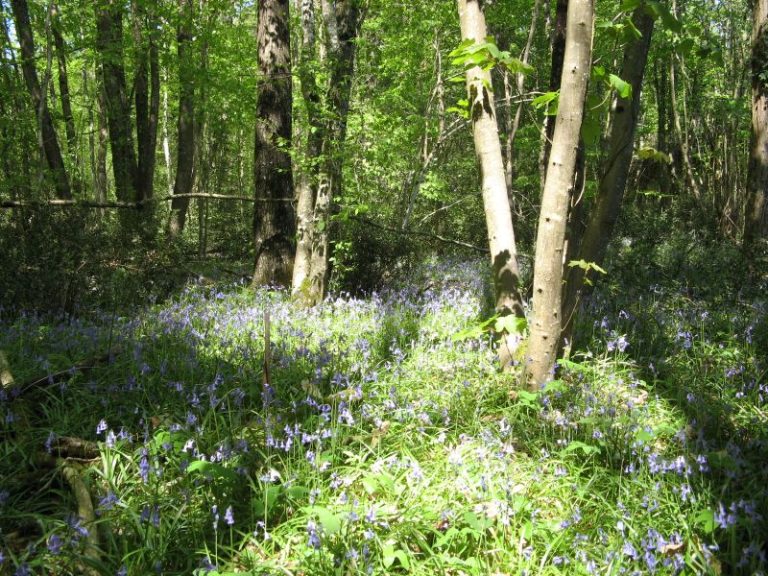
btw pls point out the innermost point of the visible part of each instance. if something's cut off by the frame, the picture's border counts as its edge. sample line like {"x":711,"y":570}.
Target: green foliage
{"x":486,"y":55}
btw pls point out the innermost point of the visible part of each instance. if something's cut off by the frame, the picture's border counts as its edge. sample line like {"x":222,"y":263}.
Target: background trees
{"x":364,"y":155}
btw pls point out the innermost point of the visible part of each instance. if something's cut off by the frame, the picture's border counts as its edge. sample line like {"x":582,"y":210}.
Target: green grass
{"x":381,"y":445}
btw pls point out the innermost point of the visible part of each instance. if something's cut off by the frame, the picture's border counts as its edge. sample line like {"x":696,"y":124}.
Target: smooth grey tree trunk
{"x":547,"y":319}
{"x":498,"y":217}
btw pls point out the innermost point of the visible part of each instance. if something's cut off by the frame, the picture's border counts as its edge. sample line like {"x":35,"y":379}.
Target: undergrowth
{"x":374,"y":442}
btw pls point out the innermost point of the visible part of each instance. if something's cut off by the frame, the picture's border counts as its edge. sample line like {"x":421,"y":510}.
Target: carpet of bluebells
{"x":383,"y":444}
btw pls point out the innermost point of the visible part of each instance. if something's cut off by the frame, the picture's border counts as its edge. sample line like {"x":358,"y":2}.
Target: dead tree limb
{"x":56,"y":377}
{"x":131,"y":205}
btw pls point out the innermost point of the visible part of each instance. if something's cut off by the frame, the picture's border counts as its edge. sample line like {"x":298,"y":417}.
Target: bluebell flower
{"x":54,"y":544}
{"x":629,"y":550}
{"x":313,"y":536}
{"x":215,"y":514}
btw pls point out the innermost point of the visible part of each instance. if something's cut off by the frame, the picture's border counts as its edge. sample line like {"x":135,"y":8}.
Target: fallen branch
{"x":85,"y":511}
{"x":57,"y":202}
{"x":59,"y":376}
{"x":72,"y":447}
{"x":6,"y":376}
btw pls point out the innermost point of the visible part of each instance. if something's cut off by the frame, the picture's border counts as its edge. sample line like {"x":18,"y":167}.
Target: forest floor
{"x":378,"y":436}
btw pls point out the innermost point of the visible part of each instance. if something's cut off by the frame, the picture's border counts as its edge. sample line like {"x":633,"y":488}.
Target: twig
{"x":419,"y":233}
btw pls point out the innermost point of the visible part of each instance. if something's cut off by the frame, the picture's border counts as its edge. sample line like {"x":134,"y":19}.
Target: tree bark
{"x":100,"y":178}
{"x":64,"y":92}
{"x":109,"y":44}
{"x":185,"y":159}
{"x":306,"y":180}
{"x":50,"y":141}
{"x":555,"y":75}
{"x":274,"y":223}
{"x":757,"y":178}
{"x":615,"y":169}
{"x":498,"y":217}
{"x":146,"y":89}
{"x":342,"y":24}
{"x":550,"y":238}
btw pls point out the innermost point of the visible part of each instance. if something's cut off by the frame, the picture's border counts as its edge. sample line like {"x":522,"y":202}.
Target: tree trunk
{"x":186,"y":128}
{"x":146,"y":89}
{"x":682,"y":133}
{"x":613,"y":178}
{"x":109,"y":44}
{"x":757,"y":178}
{"x":342,"y":23}
{"x":501,"y":236}
{"x":50,"y":141}
{"x":555,"y":75}
{"x":550,"y":238}
{"x":306,"y":180}
{"x":64,"y":93}
{"x":274,"y":223}
{"x":101,"y":181}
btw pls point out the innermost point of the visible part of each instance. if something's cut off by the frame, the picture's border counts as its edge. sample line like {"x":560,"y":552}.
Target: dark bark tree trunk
{"x":64,"y":93}
{"x":555,"y":74}
{"x":186,"y":127}
{"x":615,"y":169}
{"x":101,"y":180}
{"x":109,"y":44}
{"x":757,"y":179}
{"x":146,"y":88}
{"x":50,"y":142}
{"x":547,"y":324}
{"x":274,"y":222}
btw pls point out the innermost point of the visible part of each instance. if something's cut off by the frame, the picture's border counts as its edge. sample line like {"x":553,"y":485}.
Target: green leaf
{"x":685,"y":46}
{"x":212,"y":469}
{"x":510,"y":324}
{"x":705,"y":520}
{"x":629,"y":5}
{"x":390,"y":554}
{"x":598,"y":73}
{"x":476,"y":330}
{"x":591,"y":130}
{"x":330,"y":521}
{"x":587,"y":449}
{"x":644,"y":436}
{"x":624,"y":89}
{"x":587,"y":266}
{"x":649,"y":153}
{"x":548,"y":101}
